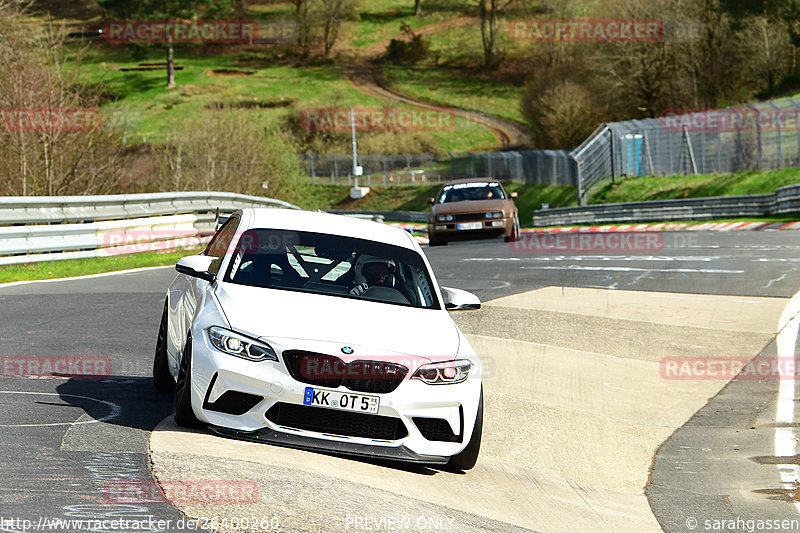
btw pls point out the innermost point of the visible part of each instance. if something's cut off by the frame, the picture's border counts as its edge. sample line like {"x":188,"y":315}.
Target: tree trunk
{"x":418,"y":8}
{"x":239,"y":8}
{"x":170,"y":64}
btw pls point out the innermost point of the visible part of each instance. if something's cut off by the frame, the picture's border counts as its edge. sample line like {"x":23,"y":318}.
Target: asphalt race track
{"x":584,"y":431}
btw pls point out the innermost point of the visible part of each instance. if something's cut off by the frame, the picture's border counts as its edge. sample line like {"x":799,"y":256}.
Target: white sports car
{"x":321,"y":332}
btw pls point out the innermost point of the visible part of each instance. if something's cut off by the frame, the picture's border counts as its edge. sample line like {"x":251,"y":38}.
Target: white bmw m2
{"x":321,"y":332}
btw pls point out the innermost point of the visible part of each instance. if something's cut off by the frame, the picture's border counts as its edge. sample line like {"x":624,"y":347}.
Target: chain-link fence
{"x":764,"y":136}
{"x":552,"y":167}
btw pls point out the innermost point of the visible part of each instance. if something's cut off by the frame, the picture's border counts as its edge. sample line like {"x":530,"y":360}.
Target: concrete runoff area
{"x":576,"y":406}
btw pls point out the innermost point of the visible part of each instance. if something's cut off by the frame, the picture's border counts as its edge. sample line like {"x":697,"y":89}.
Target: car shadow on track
{"x":120,"y":400}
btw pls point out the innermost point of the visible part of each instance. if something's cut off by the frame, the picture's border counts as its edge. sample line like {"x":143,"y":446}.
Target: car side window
{"x":221,"y":242}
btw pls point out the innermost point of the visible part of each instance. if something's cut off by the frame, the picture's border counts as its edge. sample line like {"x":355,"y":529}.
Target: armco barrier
{"x":389,"y":216}
{"x":783,"y":201}
{"x":48,"y":228}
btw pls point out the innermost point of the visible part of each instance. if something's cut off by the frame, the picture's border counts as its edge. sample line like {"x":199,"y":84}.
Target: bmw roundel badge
{"x":347,"y":350}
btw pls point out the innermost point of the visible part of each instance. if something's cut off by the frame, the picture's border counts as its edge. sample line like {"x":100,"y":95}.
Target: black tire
{"x":514,"y":235}
{"x":433,"y":242}
{"x":183,"y":413}
{"x":162,"y":379}
{"x":469,"y":455}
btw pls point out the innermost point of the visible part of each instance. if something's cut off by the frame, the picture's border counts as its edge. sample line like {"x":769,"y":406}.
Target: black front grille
{"x":469,"y":216}
{"x":334,"y":422}
{"x":437,"y":429}
{"x":322,"y":370}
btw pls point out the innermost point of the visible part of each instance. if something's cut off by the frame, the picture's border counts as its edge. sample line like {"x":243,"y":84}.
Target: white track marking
{"x":115,"y":410}
{"x":785,"y":445}
{"x":89,"y":276}
{"x":634,"y":269}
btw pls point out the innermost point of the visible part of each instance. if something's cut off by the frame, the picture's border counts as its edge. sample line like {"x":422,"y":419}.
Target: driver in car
{"x":374,"y":271}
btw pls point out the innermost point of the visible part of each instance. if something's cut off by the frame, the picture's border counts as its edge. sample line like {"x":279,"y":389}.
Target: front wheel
{"x":183,"y":413}
{"x":515,"y":233}
{"x":469,"y":455}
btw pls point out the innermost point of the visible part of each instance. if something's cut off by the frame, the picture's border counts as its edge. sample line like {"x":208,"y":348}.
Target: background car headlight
{"x":233,"y":343}
{"x":445,"y":373}
{"x":444,"y":218}
{"x":495,"y":214}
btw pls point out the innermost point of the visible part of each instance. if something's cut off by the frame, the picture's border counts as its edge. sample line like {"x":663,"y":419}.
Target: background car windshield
{"x":331,"y":265}
{"x":470,"y":191}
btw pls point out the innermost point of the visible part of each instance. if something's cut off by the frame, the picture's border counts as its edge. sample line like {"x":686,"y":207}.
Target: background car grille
{"x":336,"y":422}
{"x":469,"y":216}
{"x":437,"y":429}
{"x":375,"y":377}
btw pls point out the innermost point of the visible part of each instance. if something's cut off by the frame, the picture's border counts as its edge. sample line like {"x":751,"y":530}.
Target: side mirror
{"x":514,"y":195}
{"x":458,"y":300}
{"x":431,"y":200}
{"x":196,"y":266}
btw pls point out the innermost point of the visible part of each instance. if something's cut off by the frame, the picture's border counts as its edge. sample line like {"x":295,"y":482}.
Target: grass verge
{"x":669,"y":187}
{"x":95,"y":265}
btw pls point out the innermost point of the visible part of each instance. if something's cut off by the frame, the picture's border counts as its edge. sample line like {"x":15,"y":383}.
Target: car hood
{"x":329,"y":323}
{"x":470,"y":206}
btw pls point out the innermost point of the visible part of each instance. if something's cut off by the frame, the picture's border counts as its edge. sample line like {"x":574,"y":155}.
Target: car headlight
{"x":495,"y":214}
{"x":445,"y":373}
{"x":233,"y":343}
{"x":444,"y":218}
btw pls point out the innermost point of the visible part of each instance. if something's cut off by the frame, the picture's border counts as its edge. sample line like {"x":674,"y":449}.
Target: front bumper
{"x":451,"y":231}
{"x":257,"y":390}
{"x":278,"y":438}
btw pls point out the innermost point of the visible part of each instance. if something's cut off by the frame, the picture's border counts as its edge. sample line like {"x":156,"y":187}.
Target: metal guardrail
{"x":392,"y":216}
{"x":783,"y":201}
{"x":48,"y":228}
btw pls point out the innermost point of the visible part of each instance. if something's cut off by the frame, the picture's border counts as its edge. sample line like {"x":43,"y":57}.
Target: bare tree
{"x":304,"y":16}
{"x":333,"y":14}
{"x":47,"y":146}
{"x":228,"y":151}
{"x":489,"y":10}
{"x":239,"y":8}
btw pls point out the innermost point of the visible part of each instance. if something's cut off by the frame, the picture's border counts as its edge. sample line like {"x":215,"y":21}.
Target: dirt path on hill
{"x":362,"y":72}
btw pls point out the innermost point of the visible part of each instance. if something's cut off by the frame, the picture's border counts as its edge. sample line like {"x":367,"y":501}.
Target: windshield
{"x":332,"y":265}
{"x":471,"y":191}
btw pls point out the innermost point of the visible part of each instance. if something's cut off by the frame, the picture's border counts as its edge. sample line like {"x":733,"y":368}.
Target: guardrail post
{"x":778,"y":124}
{"x":452,"y":165}
{"x":758,"y":131}
{"x":797,"y":107}
{"x":691,"y":150}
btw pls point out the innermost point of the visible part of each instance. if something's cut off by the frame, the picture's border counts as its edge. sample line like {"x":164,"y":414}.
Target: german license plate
{"x":346,"y":401}
{"x":470,"y":225}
